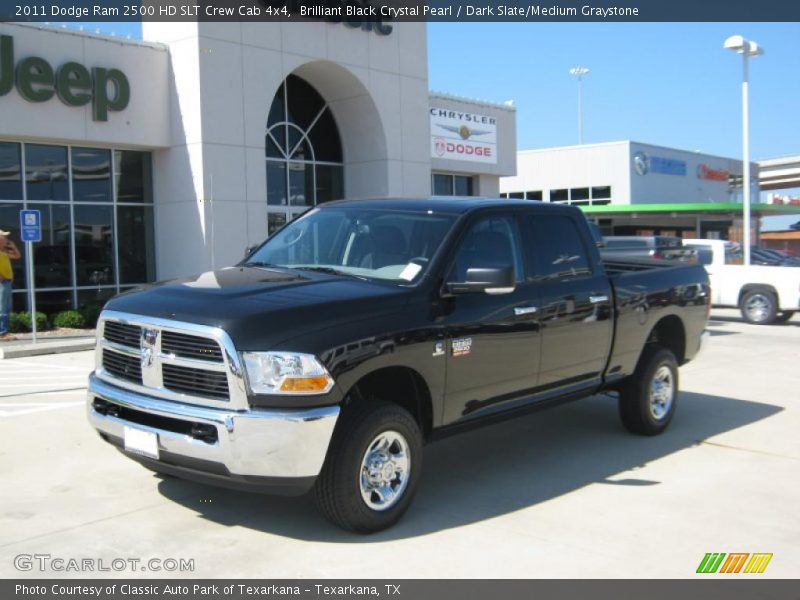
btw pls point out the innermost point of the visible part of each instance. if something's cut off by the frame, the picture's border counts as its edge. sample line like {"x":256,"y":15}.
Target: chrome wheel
{"x":662,"y":392}
{"x":758,"y":307}
{"x":385,"y":470}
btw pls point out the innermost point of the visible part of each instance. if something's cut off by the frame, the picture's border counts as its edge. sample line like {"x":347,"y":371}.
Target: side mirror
{"x":249,"y":250}
{"x":494,"y":280}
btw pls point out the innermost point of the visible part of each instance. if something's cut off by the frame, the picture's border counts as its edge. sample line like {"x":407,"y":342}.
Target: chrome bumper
{"x":278,"y":443}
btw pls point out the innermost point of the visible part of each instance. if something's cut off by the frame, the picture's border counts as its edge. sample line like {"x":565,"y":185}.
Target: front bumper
{"x":267,"y":450}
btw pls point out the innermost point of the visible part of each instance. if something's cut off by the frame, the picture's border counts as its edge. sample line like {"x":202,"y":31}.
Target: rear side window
{"x":554,"y":247}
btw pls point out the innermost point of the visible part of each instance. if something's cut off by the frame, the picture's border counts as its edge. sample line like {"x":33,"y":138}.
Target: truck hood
{"x":261,"y":307}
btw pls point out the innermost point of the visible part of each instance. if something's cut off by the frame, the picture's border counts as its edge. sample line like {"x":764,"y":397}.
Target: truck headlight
{"x":286,"y":373}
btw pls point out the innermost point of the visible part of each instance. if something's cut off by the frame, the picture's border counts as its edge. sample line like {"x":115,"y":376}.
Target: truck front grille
{"x":196,"y":382}
{"x":123,"y":366}
{"x":190,"y":346}
{"x":122,"y":333}
{"x":174,"y":361}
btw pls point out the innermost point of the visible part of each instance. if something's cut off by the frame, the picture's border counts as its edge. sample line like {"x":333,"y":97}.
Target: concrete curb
{"x":47,"y":347}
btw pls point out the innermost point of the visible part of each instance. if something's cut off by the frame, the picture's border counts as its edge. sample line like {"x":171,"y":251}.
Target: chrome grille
{"x":122,"y":334}
{"x":197,"y":382}
{"x":122,"y":366}
{"x":190,"y":346}
{"x":171,"y":360}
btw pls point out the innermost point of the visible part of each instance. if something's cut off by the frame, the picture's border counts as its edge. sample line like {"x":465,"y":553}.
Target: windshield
{"x":369,"y":243}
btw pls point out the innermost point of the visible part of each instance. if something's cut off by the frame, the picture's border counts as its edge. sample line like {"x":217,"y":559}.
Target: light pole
{"x":579,"y":72}
{"x":746,"y":48}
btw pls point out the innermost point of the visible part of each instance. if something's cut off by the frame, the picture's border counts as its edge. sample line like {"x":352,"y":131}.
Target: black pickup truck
{"x":364,"y":329}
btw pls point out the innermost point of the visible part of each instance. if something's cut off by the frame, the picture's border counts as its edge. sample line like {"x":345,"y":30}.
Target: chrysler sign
{"x":465,"y":136}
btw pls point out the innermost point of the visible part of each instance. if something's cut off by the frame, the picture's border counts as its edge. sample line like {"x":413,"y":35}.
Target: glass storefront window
{"x":91,"y":175}
{"x":10,"y":172}
{"x":9,"y":220}
{"x":442,"y":185}
{"x":46,"y":172}
{"x":94,"y":245}
{"x":133,"y":177}
{"x":561,"y":195}
{"x":301,"y":184}
{"x":330,"y":183}
{"x":276,"y":183}
{"x":52,"y":257}
{"x":78,"y":247}
{"x":275,"y":220}
{"x":136,"y":236}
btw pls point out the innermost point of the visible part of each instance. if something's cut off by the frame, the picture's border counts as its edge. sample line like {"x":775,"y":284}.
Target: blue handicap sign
{"x":30,"y":225}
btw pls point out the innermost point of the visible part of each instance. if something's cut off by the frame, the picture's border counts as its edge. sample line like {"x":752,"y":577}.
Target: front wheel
{"x":372,"y":468}
{"x":647,"y":400}
{"x":759,"y":307}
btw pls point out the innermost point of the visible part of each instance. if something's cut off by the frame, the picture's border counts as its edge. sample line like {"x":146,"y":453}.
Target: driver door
{"x":493,"y":340}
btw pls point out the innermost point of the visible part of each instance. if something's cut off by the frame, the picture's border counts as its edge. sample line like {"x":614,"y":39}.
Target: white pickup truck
{"x":764,"y":294}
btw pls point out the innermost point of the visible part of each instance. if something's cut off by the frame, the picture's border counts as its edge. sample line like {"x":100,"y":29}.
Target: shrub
{"x":90,"y":313}
{"x":69,"y":318}
{"x":21,"y":322}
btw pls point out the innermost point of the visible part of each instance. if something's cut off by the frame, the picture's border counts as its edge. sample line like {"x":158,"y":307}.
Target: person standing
{"x":8,"y":252}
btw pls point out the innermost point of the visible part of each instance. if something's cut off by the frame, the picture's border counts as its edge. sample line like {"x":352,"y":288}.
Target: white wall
{"x":145,"y":121}
{"x":573,"y":167}
{"x":211,"y":183}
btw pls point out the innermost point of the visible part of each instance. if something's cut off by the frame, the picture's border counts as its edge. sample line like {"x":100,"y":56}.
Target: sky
{"x":670,"y":84}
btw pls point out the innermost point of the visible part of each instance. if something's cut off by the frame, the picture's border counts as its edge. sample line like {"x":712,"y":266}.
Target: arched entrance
{"x":305,"y":165}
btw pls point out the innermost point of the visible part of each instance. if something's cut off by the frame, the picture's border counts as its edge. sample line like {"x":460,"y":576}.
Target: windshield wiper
{"x":328,"y":270}
{"x":257,"y":263}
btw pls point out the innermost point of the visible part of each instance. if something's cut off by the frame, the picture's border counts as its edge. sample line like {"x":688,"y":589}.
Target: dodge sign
{"x":459,"y":135}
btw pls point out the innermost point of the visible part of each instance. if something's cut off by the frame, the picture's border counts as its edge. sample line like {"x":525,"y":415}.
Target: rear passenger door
{"x":576,"y":312}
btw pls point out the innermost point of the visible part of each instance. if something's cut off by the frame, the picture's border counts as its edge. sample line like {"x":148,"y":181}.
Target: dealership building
{"x":165,"y":156}
{"x":630,"y":188}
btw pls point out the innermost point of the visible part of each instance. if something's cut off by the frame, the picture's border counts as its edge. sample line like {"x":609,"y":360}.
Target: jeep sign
{"x":74,"y":84}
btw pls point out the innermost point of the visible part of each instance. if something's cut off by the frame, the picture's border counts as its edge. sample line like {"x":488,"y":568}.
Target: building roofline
{"x":477,"y":101}
{"x":123,"y":41}
{"x":630,"y":142}
{"x":684,"y":207}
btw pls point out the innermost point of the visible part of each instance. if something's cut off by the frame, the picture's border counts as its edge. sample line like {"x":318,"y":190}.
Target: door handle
{"x":598,"y":299}
{"x":524,"y":310}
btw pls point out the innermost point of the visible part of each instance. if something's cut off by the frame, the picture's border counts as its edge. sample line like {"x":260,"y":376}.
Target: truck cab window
{"x":554,"y":247}
{"x":490,"y":243}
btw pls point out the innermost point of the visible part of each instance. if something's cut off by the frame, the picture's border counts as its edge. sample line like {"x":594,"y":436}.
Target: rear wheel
{"x":784,"y":316}
{"x":759,"y":307}
{"x":372,"y":468}
{"x":647,"y":400}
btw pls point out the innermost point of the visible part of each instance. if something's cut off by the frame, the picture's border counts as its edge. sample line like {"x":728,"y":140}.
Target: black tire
{"x":784,"y":316}
{"x":759,"y":307}
{"x":639,"y":414}
{"x":338,"y":488}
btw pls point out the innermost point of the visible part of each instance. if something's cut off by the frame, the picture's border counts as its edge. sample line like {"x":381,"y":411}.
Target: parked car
{"x":764,"y":294}
{"x":363,"y":329}
{"x":774,"y":257}
{"x":659,"y":247}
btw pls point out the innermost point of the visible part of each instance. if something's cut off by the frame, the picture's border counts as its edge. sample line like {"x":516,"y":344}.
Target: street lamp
{"x":580,"y":72}
{"x":746,"y":48}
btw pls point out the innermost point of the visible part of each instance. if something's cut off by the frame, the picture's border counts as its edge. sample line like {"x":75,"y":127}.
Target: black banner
{"x":358,"y":12}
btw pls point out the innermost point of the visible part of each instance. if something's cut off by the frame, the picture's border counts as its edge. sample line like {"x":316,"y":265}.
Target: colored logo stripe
{"x":758,"y":563}
{"x":713,"y":562}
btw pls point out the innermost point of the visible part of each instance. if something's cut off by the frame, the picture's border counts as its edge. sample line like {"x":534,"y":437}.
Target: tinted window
{"x":442,"y":185}
{"x":133,"y":176}
{"x":559,"y":195}
{"x":462,"y":185}
{"x":91,"y":175}
{"x":10,"y":180}
{"x":490,"y":243}
{"x":554,"y":246}
{"x":705,"y":255}
{"x":46,"y":172}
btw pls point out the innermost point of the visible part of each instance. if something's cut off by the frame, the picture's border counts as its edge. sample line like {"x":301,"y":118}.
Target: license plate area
{"x":139,"y":441}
